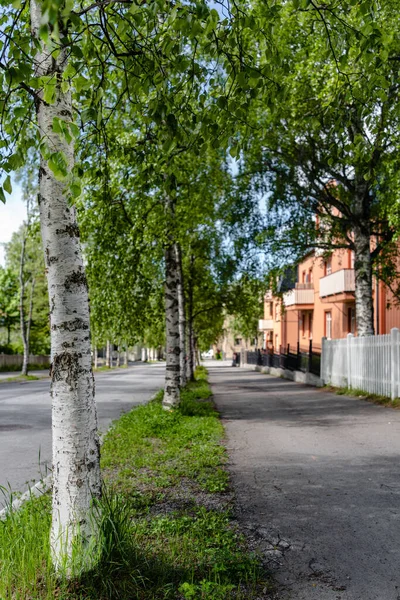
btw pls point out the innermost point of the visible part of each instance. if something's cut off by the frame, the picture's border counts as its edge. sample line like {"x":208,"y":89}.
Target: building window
{"x":351,"y":320}
{"x":328,"y":325}
{"x":328,"y":266}
{"x":303,"y":326}
{"x":238,"y":341}
{"x":310,"y":275}
{"x":304,"y":278}
{"x":271,"y":309}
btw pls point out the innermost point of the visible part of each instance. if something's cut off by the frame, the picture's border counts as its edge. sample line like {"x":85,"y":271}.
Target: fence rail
{"x":370,"y":364}
{"x":287,"y":358}
{"x":15,"y":360}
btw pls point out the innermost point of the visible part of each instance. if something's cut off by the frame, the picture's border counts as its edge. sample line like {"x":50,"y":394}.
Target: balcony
{"x":264,"y":324}
{"x":303,"y":293}
{"x":337,"y":283}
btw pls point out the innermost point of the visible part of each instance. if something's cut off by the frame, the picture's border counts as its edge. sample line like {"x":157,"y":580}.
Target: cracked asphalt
{"x":317,"y":481}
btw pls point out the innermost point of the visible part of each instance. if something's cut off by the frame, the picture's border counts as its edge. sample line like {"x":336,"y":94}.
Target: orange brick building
{"x":321,"y":304}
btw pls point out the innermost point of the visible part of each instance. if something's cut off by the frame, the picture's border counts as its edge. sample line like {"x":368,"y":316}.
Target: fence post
{"x":348,"y":361}
{"x":323,"y":361}
{"x":394,"y":359}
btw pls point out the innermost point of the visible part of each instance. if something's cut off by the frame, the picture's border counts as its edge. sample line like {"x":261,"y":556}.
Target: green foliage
{"x":334,"y":119}
{"x":9,"y":299}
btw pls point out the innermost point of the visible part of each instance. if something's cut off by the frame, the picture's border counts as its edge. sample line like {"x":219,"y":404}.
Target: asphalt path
{"x":25,"y":418}
{"x":317,"y":479}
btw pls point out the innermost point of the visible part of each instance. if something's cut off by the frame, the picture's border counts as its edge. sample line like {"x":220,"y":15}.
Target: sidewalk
{"x":317,"y":478}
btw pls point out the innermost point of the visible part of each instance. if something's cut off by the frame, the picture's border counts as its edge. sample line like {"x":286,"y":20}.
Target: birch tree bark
{"x":190,"y":337}
{"x":118,"y":356}
{"x":182,"y":316}
{"x":363,"y":263}
{"x":173,"y":349}
{"x":96,"y":359}
{"x":108,"y":355}
{"x":76,"y":470}
{"x":126,"y":357}
{"x":25,"y":343}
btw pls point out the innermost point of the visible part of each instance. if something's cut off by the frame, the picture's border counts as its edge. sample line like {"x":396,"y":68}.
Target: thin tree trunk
{"x":24,"y":370}
{"x":126,"y":357}
{"x":182,"y":316}
{"x":118,"y":357}
{"x":190,"y":336}
{"x":362,"y":263}
{"x":76,"y":466}
{"x":28,"y":326}
{"x":172,"y":372}
{"x":96,"y":357}
{"x":108,"y":354}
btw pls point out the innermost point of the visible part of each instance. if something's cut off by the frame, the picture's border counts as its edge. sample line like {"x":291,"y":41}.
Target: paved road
{"x":25,"y":417}
{"x":318,"y":483}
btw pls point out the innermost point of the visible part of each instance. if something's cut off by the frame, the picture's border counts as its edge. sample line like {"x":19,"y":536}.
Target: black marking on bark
{"x":76,"y":278}
{"x":50,"y":260}
{"x":75,"y":325}
{"x":72,"y":230}
{"x":66,"y":367}
{"x":66,"y":113}
{"x":42,"y":172}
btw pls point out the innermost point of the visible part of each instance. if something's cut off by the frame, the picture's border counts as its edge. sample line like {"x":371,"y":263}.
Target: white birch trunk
{"x":172,"y":371}
{"x":363,"y":281}
{"x":108,"y":355}
{"x":126,"y":357}
{"x":118,"y":357}
{"x":24,"y":370}
{"x":182,"y":316}
{"x":363,"y":264}
{"x":76,"y":470}
{"x":96,"y":358}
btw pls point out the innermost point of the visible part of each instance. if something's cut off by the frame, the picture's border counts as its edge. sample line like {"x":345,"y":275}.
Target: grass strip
{"x":356,"y":393}
{"x":167,"y":529}
{"x":21,"y":378}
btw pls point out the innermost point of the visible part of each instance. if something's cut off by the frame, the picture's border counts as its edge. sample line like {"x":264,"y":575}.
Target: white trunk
{"x":182,"y":316}
{"x":126,"y":357}
{"x":24,"y":370}
{"x":108,"y":355}
{"x":172,"y":372}
{"x":118,"y":357}
{"x":362,"y":263}
{"x":363,"y":280}
{"x":96,"y":358}
{"x":76,"y":470}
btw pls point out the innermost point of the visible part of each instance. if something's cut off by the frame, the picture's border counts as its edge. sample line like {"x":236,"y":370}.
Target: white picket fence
{"x":370,"y":364}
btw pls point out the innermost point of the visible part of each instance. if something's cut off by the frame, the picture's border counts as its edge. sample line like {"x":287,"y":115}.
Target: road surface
{"x":25,"y":418}
{"x":317,"y":478}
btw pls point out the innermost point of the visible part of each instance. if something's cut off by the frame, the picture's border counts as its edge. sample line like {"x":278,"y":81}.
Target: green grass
{"x":166,"y":528}
{"x":20,"y":378}
{"x":375,"y":398}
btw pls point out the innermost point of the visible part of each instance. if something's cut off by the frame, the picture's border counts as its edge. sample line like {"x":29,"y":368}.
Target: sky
{"x":12,"y":214}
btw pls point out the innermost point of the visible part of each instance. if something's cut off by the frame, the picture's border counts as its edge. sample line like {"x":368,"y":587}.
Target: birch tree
{"x":76,"y":471}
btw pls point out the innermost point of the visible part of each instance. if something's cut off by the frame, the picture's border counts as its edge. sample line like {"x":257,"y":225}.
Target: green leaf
{"x":7,"y":185}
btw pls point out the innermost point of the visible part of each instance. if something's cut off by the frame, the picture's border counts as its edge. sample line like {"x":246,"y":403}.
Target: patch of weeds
{"x":375,"y":398}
